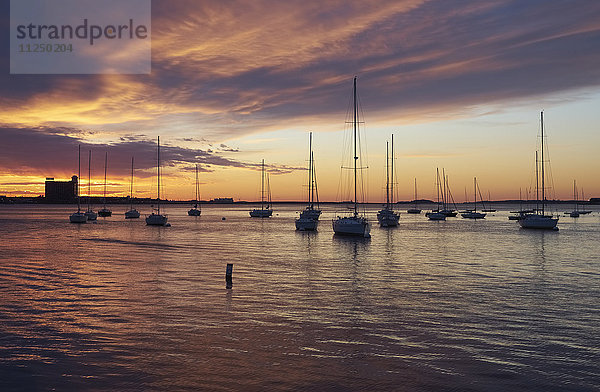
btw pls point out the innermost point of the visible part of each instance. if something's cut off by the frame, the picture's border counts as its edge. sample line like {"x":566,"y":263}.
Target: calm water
{"x":456,"y":305}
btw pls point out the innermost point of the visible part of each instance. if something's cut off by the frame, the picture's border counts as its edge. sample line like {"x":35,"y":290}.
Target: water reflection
{"x":427,"y":306}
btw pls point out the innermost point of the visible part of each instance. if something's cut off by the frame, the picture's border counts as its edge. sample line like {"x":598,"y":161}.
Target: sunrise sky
{"x":460,"y":84}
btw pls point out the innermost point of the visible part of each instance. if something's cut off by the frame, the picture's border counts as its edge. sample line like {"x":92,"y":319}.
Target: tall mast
{"x":314,"y":178}
{"x":262,"y":186}
{"x":89,"y":179}
{"x":444,"y":188}
{"x":543,"y":179}
{"x":105,"y":162}
{"x":158,"y":169}
{"x":387,"y":177}
{"x":78,"y":178}
{"x":437,"y":183}
{"x":310,"y":174}
{"x":355,"y":155}
{"x":131,"y":187}
{"x":415,"y":192}
{"x":392,"y":184}
{"x":475,"y":191}
{"x":537,"y":184}
{"x":197,"y":189}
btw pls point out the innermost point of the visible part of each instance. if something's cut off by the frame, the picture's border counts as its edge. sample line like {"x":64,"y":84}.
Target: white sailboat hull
{"x":132,"y":214}
{"x":535,"y":221}
{"x":78,"y":217}
{"x":261,"y":213}
{"x":194,"y":212}
{"x":437,"y":216}
{"x":91,"y":215}
{"x":352,"y":226}
{"x":104,"y":212}
{"x":473,"y":215}
{"x":156,"y":220}
{"x":387,"y":218}
{"x":306,"y":224}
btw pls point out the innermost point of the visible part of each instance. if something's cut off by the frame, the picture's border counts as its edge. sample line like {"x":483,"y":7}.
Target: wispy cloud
{"x":48,"y":150}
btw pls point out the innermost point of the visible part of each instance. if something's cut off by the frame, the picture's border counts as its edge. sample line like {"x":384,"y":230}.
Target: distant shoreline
{"x":113,"y":201}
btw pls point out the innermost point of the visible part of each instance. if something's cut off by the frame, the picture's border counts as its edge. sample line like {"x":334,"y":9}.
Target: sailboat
{"x":309,"y":218}
{"x":473,"y":214}
{"x":584,"y":212}
{"x":575,"y":213}
{"x":355,"y":224}
{"x":156,"y":218}
{"x":90,"y":214}
{"x":104,"y":212}
{"x":195,"y":211}
{"x":387,"y":217}
{"x":538,"y":219}
{"x":447,"y":195}
{"x":415,"y":209}
{"x":78,"y":217}
{"x":436,"y":215}
{"x":132,"y":213}
{"x":263,"y":212}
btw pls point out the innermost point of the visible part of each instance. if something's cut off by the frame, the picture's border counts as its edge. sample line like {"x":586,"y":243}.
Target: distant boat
{"x":538,"y":219}
{"x":132,"y":213}
{"x":584,"y":212}
{"x":473,"y":214}
{"x":447,"y":195}
{"x":104,"y":212}
{"x":575,"y":213}
{"x":90,"y":214}
{"x":264,"y":211}
{"x":156,"y":218}
{"x":195,"y":211}
{"x":79,"y":216}
{"x":387,"y":217}
{"x":355,"y":224}
{"x":415,"y":209}
{"x":309,"y":218}
{"x":436,"y":215}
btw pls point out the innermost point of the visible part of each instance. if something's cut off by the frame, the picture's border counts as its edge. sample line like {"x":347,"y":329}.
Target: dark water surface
{"x":456,"y":305}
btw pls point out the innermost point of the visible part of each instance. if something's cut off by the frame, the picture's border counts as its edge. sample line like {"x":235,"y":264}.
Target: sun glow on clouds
{"x":258,"y":75}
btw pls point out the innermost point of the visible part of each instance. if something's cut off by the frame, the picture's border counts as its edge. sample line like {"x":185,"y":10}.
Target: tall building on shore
{"x":61,"y":191}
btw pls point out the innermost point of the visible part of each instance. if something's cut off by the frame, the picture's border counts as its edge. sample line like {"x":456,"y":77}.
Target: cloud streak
{"x":47,"y":151}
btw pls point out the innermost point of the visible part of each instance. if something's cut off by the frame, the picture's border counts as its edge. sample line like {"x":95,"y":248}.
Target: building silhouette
{"x":61,"y":191}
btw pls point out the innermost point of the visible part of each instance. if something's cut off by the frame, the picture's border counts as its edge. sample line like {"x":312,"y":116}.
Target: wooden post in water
{"x":229,"y":276}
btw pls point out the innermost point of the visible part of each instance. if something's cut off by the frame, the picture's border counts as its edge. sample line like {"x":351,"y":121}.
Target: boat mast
{"x":543,"y":183}
{"x":575,"y":194}
{"x":310,"y":173}
{"x":314,"y":175}
{"x":355,"y":155}
{"x":197,"y":187}
{"x":444,"y":188}
{"x":105,"y":161}
{"x":393,"y":178}
{"x":262,"y":186}
{"x":78,"y":178}
{"x":415,"y":192}
{"x":158,"y":170}
{"x":537,"y":184}
{"x":475,"y":191}
{"x":131,"y":187}
{"x":437,"y":184}
{"x":387,"y":177}
{"x":89,"y":179}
